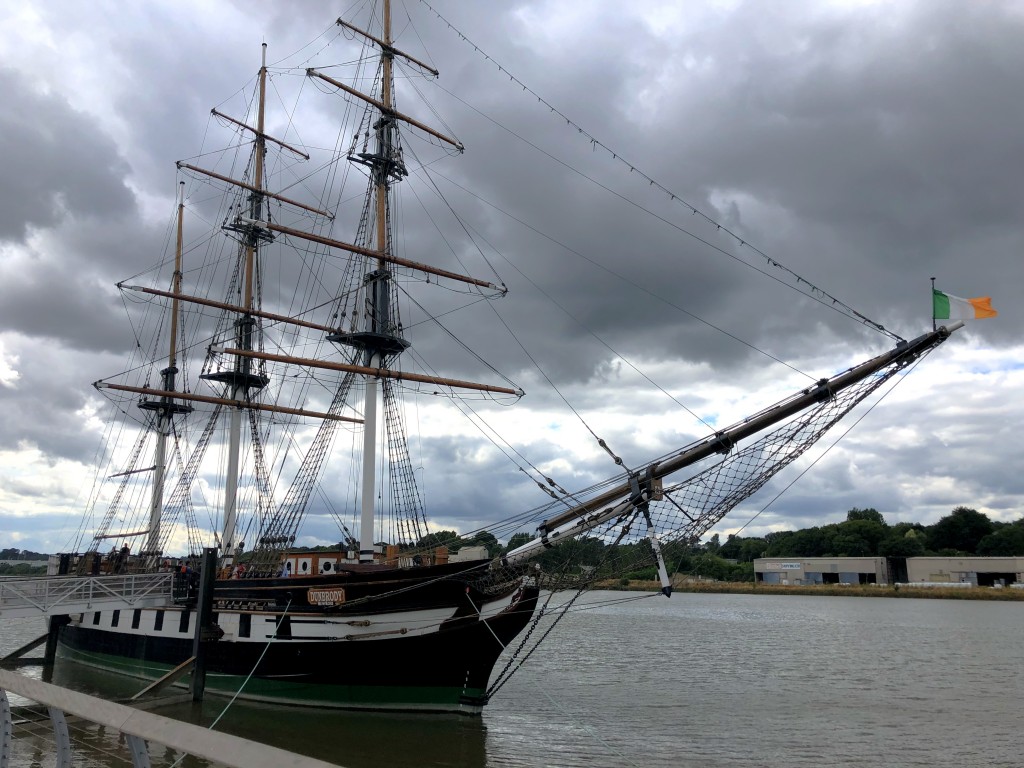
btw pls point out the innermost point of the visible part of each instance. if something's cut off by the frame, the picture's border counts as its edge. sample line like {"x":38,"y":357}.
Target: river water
{"x":696,"y":680}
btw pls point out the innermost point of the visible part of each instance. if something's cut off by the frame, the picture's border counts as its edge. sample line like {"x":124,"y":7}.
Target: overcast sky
{"x":867,"y":146}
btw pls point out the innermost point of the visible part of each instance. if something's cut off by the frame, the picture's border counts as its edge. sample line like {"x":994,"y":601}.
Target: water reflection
{"x":352,"y":739}
{"x":698,"y":680}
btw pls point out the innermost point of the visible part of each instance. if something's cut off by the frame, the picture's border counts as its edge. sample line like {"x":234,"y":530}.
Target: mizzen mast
{"x":166,"y":407}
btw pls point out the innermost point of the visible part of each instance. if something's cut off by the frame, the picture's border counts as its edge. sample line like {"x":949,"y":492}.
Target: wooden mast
{"x":374,"y":355}
{"x":278,"y":318}
{"x":390,"y":258}
{"x":166,"y":408}
{"x":242,"y":378}
{"x":382,"y":44}
{"x":626,"y":496}
{"x":379,"y":340}
{"x":376,"y":337}
{"x":172,"y":358}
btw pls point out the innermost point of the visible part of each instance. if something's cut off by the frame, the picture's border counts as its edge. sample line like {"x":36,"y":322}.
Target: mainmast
{"x":379,"y":338}
{"x":241,"y":379}
{"x":166,"y":408}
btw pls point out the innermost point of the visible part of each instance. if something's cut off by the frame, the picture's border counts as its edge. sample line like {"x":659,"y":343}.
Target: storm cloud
{"x":867,"y":147}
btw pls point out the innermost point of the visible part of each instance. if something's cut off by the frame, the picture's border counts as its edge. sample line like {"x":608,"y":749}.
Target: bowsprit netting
{"x":654,"y":515}
{"x":657,"y":525}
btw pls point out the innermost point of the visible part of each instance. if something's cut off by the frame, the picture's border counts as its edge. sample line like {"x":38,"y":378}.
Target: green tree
{"x":909,"y":544}
{"x":742,"y":549}
{"x":902,"y":529}
{"x":810,"y":542}
{"x":13,"y":553}
{"x":710,"y":567}
{"x":572,"y":554}
{"x":518,"y":540}
{"x":714,"y":567}
{"x":869,"y":531}
{"x":1008,"y":541}
{"x":484,"y":539}
{"x":870,"y":514}
{"x":851,"y":545}
{"x":27,"y":568}
{"x":779,"y":543}
{"x":445,"y":538}
{"x":752,"y":548}
{"x":731,"y":548}
{"x":961,"y":530}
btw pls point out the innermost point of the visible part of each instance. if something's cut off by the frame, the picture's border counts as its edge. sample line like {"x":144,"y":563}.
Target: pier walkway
{"x":141,"y":731}
{"x":63,"y":595}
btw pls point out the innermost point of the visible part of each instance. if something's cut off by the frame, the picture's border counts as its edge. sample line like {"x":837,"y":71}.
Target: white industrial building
{"x":979,"y":571}
{"x":821,"y":570}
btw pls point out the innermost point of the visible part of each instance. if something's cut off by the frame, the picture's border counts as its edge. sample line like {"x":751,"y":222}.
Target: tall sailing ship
{"x":275,"y":313}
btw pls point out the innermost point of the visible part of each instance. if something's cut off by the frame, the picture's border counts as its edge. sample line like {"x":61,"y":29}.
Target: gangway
{"x":64,"y":595}
{"x":139,"y":730}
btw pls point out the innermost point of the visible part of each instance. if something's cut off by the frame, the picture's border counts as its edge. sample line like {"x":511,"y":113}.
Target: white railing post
{"x":140,"y":753}
{"x":6,"y":730}
{"x":63,"y":738}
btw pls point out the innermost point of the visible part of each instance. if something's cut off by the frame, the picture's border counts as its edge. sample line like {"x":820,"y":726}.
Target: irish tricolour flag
{"x":947,"y":307}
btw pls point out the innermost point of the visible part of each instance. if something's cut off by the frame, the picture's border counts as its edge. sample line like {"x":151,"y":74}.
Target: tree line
{"x":13,"y":553}
{"x":32,"y":563}
{"x":864,"y":533}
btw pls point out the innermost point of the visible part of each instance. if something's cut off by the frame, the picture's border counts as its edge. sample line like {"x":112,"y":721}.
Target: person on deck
{"x":122,"y":559}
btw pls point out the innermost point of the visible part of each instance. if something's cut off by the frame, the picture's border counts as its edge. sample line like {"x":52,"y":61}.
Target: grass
{"x":825,"y":590}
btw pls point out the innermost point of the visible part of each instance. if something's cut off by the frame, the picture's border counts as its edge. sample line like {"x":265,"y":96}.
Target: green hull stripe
{"x":303,"y":694}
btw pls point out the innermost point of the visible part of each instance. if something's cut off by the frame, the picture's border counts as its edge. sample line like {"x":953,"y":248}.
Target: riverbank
{"x":825,"y":590}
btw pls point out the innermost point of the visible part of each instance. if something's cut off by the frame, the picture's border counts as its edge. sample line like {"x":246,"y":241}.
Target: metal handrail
{"x":58,"y":594}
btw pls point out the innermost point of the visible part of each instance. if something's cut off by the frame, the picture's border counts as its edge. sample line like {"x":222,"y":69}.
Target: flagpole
{"x":933,"y":303}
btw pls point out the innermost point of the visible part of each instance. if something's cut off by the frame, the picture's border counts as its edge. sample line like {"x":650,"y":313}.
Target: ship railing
{"x":140,"y":730}
{"x":61,"y":595}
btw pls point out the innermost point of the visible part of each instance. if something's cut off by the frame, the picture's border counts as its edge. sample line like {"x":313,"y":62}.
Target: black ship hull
{"x":425,"y":641}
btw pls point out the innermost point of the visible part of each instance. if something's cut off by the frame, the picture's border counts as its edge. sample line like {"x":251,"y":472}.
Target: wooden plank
{"x":223,"y":748}
{"x":178,"y":672}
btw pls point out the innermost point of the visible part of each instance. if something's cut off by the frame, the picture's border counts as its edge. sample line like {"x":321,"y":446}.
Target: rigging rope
{"x":683,"y":512}
{"x":814,"y":463}
{"x":625,"y":278}
{"x":816,"y":293}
